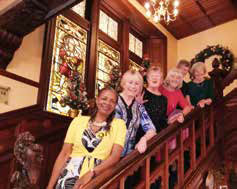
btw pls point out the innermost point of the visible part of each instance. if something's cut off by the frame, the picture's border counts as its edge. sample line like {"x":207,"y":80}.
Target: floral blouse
{"x":134,"y":115}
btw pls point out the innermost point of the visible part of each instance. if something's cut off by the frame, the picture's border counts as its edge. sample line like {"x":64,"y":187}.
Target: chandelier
{"x":162,"y":10}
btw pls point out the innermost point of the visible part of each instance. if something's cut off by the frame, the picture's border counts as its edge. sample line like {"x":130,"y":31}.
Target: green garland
{"x":227,"y":58}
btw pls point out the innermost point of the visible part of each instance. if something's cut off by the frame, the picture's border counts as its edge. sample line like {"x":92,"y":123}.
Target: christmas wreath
{"x":226,"y":60}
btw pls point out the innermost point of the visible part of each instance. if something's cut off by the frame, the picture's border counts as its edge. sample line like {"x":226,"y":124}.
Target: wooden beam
{"x":9,"y":43}
{"x":93,"y":48}
{"x":19,"y":78}
{"x":27,"y":15}
{"x":205,"y":13}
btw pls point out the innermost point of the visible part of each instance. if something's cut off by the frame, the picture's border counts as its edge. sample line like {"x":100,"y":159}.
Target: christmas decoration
{"x":145,"y":65}
{"x":115,"y":77}
{"x":226,"y":60}
{"x":76,"y":97}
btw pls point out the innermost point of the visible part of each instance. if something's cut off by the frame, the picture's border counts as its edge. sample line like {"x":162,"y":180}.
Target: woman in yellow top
{"x":92,"y":144}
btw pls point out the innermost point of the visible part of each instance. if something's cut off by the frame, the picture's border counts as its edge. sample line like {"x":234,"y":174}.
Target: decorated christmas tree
{"x":76,"y":97}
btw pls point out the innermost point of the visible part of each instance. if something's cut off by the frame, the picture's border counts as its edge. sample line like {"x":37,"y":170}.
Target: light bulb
{"x":176,"y":3}
{"x":176,"y":11}
{"x":156,"y":19}
{"x":147,"y":5}
{"x":148,"y":13}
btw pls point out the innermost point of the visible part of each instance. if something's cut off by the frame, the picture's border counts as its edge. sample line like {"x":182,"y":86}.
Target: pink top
{"x":174,"y":98}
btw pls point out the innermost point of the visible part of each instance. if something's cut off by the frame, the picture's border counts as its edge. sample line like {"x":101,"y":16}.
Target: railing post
{"x":203,"y":136}
{"x":147,"y":177}
{"x":166,"y":167}
{"x":212,"y":137}
{"x":121,"y":183}
{"x":180,"y":159}
{"x":193,"y":146}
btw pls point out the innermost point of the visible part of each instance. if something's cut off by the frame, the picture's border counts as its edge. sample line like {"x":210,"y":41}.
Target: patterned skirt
{"x":71,"y":172}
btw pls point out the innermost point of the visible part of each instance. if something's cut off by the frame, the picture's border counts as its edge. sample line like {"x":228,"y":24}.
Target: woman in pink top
{"x":171,"y":90}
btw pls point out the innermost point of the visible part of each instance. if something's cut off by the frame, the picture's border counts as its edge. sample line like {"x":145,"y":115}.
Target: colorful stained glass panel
{"x":69,"y":55}
{"x":134,"y":66}
{"x":80,"y":8}
{"x":107,"y":57}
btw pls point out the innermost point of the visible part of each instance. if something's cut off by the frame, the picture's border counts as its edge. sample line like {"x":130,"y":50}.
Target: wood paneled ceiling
{"x":198,"y":15}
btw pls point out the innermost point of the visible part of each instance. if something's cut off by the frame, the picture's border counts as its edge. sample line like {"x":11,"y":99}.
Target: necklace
{"x":99,"y":124}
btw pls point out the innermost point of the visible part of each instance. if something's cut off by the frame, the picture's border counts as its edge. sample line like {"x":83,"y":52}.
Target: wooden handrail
{"x":134,"y":160}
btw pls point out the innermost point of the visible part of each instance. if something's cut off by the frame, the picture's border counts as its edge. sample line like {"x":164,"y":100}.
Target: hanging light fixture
{"x":162,"y":10}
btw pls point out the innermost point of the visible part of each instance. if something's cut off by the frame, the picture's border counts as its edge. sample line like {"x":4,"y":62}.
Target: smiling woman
{"x":92,"y":144}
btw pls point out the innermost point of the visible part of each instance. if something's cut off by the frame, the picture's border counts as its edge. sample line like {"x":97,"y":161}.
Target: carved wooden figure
{"x":29,"y":158}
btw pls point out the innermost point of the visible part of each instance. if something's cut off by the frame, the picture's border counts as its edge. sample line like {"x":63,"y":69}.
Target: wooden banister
{"x":201,"y":126}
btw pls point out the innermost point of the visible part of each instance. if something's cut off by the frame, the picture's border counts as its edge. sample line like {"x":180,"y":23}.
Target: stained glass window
{"x":108,"y":25}
{"x":134,"y":66}
{"x":107,"y":58}
{"x":80,"y":8}
{"x":135,"y":45}
{"x":69,"y":55}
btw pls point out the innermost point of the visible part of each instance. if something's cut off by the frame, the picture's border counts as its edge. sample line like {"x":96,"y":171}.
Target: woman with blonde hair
{"x":133,"y":113}
{"x":135,"y":116}
{"x":171,"y":89}
{"x":200,"y":89}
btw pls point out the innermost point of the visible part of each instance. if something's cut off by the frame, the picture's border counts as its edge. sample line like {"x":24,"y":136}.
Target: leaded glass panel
{"x":113,"y":29}
{"x":134,"y":66}
{"x":104,"y":21}
{"x":138,"y":48}
{"x":135,"y":45}
{"x":108,"y":25}
{"x":131,"y":42}
{"x":69,"y":55}
{"x":107,"y":58}
{"x":80,"y":8}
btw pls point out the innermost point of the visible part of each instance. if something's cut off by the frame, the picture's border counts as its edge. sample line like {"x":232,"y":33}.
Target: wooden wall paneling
{"x":108,"y":40}
{"x":93,"y":48}
{"x":135,"y":58}
{"x":125,"y":46}
{"x":157,"y":52}
{"x":52,"y":147}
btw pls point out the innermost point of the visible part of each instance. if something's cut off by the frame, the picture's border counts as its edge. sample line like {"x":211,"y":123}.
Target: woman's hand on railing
{"x":208,"y":101}
{"x":141,"y":145}
{"x":180,"y":118}
{"x":83,"y":180}
{"x":202,"y":103}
